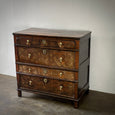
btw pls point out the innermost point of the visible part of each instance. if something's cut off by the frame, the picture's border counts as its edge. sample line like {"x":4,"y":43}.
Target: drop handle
{"x":30,"y":82}
{"x":60,"y":74}
{"x":61,"y":87}
{"x":60,"y":59}
{"x":29,"y":69}
{"x":60,"y":44}
{"x":44,"y":71}
{"x":29,"y":56}
{"x":27,"y":42}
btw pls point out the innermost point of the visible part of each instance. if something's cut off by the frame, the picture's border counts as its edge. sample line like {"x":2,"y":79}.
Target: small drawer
{"x":51,"y":73}
{"x":64,"y":59}
{"x":24,"y":40}
{"x":47,"y":85}
{"x":46,"y":42}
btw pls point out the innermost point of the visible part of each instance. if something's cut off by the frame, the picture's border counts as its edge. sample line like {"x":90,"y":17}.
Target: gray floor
{"x":95,"y":103}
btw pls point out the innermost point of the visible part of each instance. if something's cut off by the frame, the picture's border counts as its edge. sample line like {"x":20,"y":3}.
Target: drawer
{"x":53,"y":73}
{"x":47,"y":42}
{"x":64,"y":59}
{"x":47,"y":85}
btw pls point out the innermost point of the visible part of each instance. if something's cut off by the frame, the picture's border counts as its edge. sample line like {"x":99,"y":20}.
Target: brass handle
{"x":30,"y":82}
{"x":60,"y":44}
{"x":27,"y":42}
{"x":44,"y":42}
{"x":44,"y":71}
{"x":45,"y":80}
{"x":29,"y":55}
{"x":61,"y":74}
{"x":61,"y":87}
{"x":60,"y":59}
{"x":29,"y":69}
{"x":44,"y":52}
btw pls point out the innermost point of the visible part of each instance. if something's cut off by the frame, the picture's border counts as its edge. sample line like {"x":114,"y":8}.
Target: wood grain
{"x":51,"y":85}
{"x":52,"y":57}
{"x":53,"y":73}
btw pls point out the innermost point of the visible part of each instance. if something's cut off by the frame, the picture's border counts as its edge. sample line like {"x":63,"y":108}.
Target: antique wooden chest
{"x":53,"y":62}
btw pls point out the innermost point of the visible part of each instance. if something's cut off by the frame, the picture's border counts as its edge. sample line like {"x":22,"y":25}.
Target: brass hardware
{"x":27,"y":42}
{"x":61,"y":87}
{"x":44,"y":52}
{"x":30,"y":82}
{"x":29,"y":69}
{"x":44,"y":42}
{"x":60,"y":59}
{"x":61,"y":74}
{"x":44,"y":71}
{"x":45,"y":80}
{"x":60,"y":44}
{"x":29,"y":55}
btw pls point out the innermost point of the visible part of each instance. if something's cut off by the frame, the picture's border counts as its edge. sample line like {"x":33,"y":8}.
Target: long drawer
{"x":49,"y":42}
{"x":51,"y":73}
{"x":65,"y":59}
{"x":47,"y":85}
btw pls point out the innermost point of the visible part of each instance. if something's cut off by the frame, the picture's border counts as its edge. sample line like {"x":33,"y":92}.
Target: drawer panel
{"x":53,"y":73}
{"x":59,"y":43}
{"x":65,"y":59}
{"x":48,"y":85}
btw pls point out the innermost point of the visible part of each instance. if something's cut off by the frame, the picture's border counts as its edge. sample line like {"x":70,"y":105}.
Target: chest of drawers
{"x":53,"y":62}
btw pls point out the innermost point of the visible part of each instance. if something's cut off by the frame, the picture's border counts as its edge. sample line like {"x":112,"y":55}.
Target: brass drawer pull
{"x":60,"y":74}
{"x":44,"y":52}
{"x":27,"y":42}
{"x":29,"y":56}
{"x":60,"y":59}
{"x":60,"y":44}
{"x":44,"y":42}
{"x":44,"y":71}
{"x":45,"y":80}
{"x":29,"y":69}
{"x":61,"y":87}
{"x":30,"y":82}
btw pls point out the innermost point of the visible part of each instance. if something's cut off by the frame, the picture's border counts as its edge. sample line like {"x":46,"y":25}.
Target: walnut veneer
{"x":53,"y":62}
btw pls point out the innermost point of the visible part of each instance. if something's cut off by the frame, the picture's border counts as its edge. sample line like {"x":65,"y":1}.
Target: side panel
{"x":84,"y":58}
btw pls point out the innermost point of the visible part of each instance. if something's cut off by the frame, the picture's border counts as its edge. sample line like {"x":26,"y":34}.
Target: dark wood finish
{"x":54,"y":86}
{"x":54,"y":33}
{"x":46,"y":42}
{"x":37,"y":56}
{"x":53,"y":73}
{"x":53,"y":62}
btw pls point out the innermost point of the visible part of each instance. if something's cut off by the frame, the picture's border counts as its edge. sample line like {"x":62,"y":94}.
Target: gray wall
{"x":95,"y":15}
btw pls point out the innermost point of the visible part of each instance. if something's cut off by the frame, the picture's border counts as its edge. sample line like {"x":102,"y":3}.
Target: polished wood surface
{"x":53,"y":62}
{"x":53,"y":33}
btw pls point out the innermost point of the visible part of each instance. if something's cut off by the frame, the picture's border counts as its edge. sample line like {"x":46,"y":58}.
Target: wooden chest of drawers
{"x":53,"y":62}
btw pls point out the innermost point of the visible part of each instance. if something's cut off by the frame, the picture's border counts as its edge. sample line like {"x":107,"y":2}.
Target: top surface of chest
{"x":53,"y":33}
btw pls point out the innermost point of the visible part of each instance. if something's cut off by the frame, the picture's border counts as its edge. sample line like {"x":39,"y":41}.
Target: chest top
{"x":54,"y":33}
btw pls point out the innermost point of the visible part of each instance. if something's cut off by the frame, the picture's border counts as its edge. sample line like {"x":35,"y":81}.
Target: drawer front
{"x":47,"y":42}
{"x":47,"y":85}
{"x":65,"y":59}
{"x":53,"y":73}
